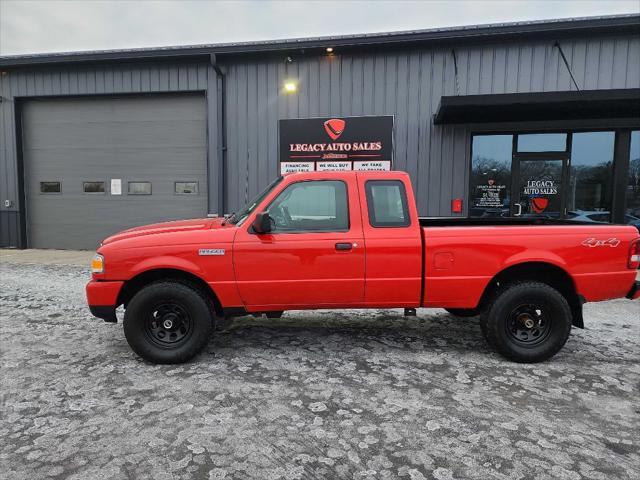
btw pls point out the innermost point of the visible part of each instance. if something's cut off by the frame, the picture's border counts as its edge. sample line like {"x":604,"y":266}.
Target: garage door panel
{"x":174,"y":159}
{"x":118,"y":134}
{"x":157,"y":139}
{"x":128,"y":108}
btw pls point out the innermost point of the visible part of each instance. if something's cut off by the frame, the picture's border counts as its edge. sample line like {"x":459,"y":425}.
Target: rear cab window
{"x":387,"y":203}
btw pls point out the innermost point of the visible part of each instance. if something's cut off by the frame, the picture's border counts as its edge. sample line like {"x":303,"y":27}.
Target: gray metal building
{"x":95,"y":142}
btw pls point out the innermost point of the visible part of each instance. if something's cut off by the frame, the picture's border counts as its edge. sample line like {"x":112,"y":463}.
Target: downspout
{"x":221,"y":134}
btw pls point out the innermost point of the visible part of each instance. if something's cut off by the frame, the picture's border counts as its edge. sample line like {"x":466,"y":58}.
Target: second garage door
{"x":96,"y":166}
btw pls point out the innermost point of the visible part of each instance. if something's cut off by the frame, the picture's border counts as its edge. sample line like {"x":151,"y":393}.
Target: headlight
{"x":97,"y":264}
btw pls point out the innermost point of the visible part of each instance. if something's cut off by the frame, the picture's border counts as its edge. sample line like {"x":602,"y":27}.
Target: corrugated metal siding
{"x":409,"y":85}
{"x":9,"y":228}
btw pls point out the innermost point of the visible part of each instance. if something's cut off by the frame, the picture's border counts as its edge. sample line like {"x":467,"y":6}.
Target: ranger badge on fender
{"x":211,"y":251}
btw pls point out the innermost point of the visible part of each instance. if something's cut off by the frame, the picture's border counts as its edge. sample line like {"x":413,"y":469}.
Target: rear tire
{"x":463,"y":312}
{"x":527,"y":322}
{"x":168,"y":322}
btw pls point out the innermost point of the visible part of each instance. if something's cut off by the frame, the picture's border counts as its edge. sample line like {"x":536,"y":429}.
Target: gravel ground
{"x":329,"y":395}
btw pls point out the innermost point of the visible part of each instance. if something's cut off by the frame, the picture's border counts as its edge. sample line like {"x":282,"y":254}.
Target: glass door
{"x":538,"y":187}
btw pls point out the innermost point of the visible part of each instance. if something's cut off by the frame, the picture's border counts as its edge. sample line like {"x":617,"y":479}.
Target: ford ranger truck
{"x":339,"y":240}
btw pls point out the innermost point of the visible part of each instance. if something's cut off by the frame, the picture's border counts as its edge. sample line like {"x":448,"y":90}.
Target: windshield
{"x":245,"y":211}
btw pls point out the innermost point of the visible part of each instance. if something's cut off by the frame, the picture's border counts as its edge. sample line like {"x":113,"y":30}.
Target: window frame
{"x":129,"y":182}
{"x":403,"y":198}
{"x":621,"y":180}
{"x":567,"y":143}
{"x":298,"y":232}
{"x":197,"y":192}
{"x":104,"y":187}
{"x":621,"y":128}
{"x":40,"y":192}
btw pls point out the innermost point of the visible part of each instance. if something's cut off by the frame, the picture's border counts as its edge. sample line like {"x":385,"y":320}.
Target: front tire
{"x":527,"y":322}
{"x":168,"y":322}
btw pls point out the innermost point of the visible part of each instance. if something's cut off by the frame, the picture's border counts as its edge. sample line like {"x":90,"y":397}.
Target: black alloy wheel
{"x":528,"y":325}
{"x":168,"y":324}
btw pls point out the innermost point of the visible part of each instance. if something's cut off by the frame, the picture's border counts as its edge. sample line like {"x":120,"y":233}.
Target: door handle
{"x":519,"y":213}
{"x":344,"y":246}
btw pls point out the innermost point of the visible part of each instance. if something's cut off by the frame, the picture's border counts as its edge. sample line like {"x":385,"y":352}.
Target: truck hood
{"x":166,"y":227}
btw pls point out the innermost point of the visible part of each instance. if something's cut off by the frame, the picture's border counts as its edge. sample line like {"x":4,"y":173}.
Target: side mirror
{"x":262,"y":223}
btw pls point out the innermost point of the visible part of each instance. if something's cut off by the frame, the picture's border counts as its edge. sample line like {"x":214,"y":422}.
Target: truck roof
{"x":348,"y":173}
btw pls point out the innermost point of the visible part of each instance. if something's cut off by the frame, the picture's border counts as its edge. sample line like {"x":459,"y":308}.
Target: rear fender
{"x":550,"y":271}
{"x":535,"y":256}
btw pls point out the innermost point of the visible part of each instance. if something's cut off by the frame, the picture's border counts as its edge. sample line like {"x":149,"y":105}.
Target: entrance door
{"x":538,"y":187}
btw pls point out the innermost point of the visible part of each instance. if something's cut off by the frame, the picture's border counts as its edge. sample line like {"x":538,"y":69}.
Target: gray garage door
{"x":77,"y":152}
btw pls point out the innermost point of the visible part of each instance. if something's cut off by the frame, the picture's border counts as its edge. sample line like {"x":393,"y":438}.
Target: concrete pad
{"x":46,"y":257}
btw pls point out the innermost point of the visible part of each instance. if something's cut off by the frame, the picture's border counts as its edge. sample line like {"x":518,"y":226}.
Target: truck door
{"x":314,"y":255}
{"x":393,"y":240}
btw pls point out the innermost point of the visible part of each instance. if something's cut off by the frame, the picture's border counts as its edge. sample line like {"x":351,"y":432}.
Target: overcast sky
{"x":70,"y":25}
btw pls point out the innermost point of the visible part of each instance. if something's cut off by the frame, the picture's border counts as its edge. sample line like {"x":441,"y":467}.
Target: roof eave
{"x":559,"y":28}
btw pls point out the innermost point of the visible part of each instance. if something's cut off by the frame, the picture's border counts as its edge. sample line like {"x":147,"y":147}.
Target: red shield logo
{"x":491,"y":182}
{"x":539,"y":204}
{"x":334,"y":127}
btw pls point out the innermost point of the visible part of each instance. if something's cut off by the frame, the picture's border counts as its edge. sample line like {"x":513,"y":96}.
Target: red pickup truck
{"x":354,"y":240}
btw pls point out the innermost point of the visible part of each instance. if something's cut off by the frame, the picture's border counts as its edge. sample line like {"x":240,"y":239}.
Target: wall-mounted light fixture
{"x":329,"y":49}
{"x":290,"y":86}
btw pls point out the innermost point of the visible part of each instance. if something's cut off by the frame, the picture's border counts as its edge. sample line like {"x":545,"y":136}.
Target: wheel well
{"x":541,"y":272}
{"x":135,"y":284}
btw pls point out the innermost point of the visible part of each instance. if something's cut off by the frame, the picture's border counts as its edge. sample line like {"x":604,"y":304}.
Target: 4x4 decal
{"x":593,"y":242}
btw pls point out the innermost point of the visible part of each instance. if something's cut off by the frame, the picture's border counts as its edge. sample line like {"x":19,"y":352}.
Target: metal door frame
{"x":517,"y":157}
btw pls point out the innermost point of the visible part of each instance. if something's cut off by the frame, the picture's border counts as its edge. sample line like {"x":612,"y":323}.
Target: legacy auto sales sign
{"x":345,"y":143}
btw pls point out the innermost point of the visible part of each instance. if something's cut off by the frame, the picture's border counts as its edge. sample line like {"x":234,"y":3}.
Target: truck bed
{"x":501,"y":221}
{"x":462,"y":255}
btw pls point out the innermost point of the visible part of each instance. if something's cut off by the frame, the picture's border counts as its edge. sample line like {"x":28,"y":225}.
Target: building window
{"x":632,"y":206}
{"x":542,"y":142}
{"x":186,"y":188}
{"x":590,"y":179}
{"x":552,"y":175}
{"x":314,"y":206}
{"x":50,"y":187}
{"x":139,"y":188}
{"x":387,"y":203}
{"x":93,"y":187}
{"x":490,"y":175}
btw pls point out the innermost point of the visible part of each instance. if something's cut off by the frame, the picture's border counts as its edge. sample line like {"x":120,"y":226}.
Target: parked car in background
{"x":600,"y":216}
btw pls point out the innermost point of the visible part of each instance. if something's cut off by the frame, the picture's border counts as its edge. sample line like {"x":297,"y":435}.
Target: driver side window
{"x":316,"y":206}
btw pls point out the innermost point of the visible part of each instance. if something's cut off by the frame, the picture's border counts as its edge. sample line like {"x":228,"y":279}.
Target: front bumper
{"x":635,"y":291}
{"x":102,"y":298}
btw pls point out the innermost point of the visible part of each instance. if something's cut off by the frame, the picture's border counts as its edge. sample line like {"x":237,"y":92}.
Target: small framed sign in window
{"x":93,"y":187}
{"x":139,"y":188}
{"x":50,"y":187}
{"x":186,"y":188}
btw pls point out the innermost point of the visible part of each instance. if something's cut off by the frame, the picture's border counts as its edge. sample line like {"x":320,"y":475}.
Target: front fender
{"x":167,"y":262}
